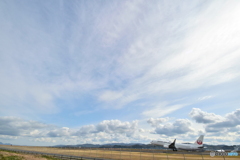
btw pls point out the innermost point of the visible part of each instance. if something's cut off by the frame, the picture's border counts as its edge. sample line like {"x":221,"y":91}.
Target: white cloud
{"x":42,"y":139}
{"x":216,"y":123}
{"x":12,"y":126}
{"x":109,"y":127}
{"x":110,"y":96}
{"x":7,"y":137}
{"x":110,"y":131}
{"x":203,"y":117}
{"x":153,"y":66}
{"x":103,"y":131}
{"x":157,"y":121}
{"x":180,"y":126}
{"x":204,"y":98}
{"x":85,"y":130}
{"x":120,"y":17}
{"x":61,"y":132}
{"x":38,"y":69}
{"x":161,"y":110}
{"x":230,"y":120}
{"x":164,"y":54}
{"x":120,"y":53}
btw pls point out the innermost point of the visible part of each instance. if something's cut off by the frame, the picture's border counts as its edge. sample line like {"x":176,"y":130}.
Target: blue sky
{"x":74,"y":72}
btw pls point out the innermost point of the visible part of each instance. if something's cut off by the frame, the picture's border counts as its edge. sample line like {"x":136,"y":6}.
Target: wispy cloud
{"x":78,"y":58}
{"x":150,"y":63}
{"x":204,"y":98}
{"x":153,"y":66}
{"x":161,"y":110}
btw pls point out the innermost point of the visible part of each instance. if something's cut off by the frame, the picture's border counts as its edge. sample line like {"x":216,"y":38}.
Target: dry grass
{"x":21,"y":156}
{"x":127,"y":154}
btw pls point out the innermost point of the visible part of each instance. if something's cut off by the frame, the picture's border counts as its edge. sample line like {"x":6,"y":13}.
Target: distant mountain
{"x":218,"y":147}
{"x":121,"y":144}
{"x":98,"y":145}
{"x":5,"y":143}
{"x":80,"y":145}
{"x":111,"y":145}
{"x":140,"y":145}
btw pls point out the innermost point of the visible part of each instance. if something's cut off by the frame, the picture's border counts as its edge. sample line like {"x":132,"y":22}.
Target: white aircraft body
{"x":220,"y":150}
{"x":197,"y":145}
{"x":235,"y":149}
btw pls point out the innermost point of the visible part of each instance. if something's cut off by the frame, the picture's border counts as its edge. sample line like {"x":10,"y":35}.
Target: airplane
{"x":235,"y":149}
{"x":220,"y":150}
{"x":197,"y":145}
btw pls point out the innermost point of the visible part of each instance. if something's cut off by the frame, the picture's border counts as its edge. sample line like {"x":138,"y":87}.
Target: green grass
{"x":10,"y":157}
{"x":8,"y":151}
{"x":49,"y":157}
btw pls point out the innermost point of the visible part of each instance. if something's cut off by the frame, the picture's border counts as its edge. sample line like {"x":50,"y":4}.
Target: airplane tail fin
{"x":172,"y":145}
{"x":199,"y":141}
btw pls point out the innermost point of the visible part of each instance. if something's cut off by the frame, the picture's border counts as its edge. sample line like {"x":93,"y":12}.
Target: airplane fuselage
{"x":178,"y":145}
{"x":189,"y":147}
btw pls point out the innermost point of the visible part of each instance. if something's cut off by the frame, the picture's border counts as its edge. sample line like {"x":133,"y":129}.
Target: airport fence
{"x":67,"y":153}
{"x":54,"y":155}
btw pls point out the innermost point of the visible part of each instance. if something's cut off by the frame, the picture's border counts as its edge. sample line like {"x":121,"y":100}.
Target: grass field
{"x":9,"y":155}
{"x":125,"y":154}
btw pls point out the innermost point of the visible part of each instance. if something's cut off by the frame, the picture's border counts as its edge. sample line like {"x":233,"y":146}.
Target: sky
{"x":75,"y":72}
